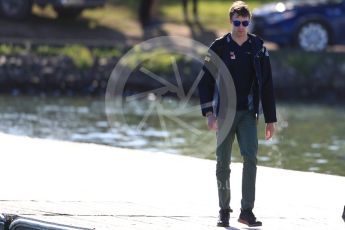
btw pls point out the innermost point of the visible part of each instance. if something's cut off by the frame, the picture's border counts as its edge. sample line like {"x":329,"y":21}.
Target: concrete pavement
{"x":103,"y":187}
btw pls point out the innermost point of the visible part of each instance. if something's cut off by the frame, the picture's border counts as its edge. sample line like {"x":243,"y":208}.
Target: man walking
{"x":248,"y":62}
{"x":195,"y":10}
{"x":146,"y":12}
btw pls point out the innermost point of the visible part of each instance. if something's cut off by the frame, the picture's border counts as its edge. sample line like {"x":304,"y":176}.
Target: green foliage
{"x":158,"y":61}
{"x":107,"y":53}
{"x":47,"y":50}
{"x":304,"y":62}
{"x":82,"y":56}
{"x":4,"y":49}
{"x":10,"y":49}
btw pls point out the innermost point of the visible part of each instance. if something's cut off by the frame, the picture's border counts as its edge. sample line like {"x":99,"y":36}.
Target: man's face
{"x":240,"y":24}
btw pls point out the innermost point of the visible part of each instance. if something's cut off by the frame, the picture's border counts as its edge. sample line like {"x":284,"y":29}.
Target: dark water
{"x":308,"y":138}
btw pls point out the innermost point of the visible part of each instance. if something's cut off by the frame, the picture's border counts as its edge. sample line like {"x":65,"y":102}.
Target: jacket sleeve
{"x":206,"y":86}
{"x":267,"y":97}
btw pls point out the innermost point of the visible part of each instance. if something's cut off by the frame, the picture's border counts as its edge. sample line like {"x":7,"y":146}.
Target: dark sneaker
{"x":223,"y":219}
{"x":344,"y":214}
{"x":247,"y":217}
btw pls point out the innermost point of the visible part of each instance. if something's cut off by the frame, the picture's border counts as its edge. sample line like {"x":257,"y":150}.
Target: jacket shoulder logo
{"x":232,"y":55}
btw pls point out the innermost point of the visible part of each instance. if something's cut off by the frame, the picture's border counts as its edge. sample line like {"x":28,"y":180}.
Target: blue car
{"x":309,"y":24}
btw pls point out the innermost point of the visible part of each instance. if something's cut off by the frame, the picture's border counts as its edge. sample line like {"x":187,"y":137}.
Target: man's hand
{"x":212,"y":122}
{"x":269,"y":130}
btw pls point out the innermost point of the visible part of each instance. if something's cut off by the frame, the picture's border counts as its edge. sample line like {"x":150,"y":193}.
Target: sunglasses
{"x":237,"y":23}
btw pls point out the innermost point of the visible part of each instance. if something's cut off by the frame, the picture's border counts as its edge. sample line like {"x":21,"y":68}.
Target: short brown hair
{"x":240,"y":8}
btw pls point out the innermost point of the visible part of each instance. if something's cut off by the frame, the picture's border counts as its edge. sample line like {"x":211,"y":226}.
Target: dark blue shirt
{"x":241,"y":67}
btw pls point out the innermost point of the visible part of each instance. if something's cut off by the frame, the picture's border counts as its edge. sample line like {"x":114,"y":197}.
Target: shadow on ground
{"x":51,"y":29}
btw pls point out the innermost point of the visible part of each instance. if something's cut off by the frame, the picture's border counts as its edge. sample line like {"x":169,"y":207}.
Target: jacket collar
{"x":256,"y":43}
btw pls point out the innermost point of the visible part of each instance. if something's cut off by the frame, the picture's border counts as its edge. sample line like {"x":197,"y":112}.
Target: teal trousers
{"x":244,"y":127}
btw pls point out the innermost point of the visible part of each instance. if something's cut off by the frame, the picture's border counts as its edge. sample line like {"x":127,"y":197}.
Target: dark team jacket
{"x":262,"y":90}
